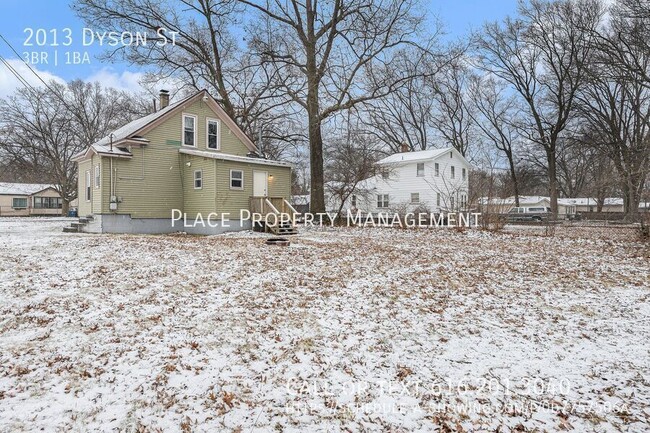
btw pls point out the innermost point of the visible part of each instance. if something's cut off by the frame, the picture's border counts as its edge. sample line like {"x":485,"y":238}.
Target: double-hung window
{"x":213,"y":128}
{"x":453,"y":172}
{"x":382,"y":200}
{"x":415,"y":197}
{"x":437,"y":169}
{"x":464,"y":173}
{"x":189,"y":130}
{"x":420,"y":169}
{"x":236,"y":179}
{"x":198,"y":179}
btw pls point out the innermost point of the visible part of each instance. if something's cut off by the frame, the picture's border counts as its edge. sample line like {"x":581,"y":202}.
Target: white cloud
{"x":127,"y":80}
{"x":9,"y":83}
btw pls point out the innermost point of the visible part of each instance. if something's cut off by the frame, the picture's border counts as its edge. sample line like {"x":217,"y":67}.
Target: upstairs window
{"x":19,"y":203}
{"x":198,"y":179}
{"x":213,"y":128}
{"x":453,"y":172}
{"x":437,"y":168}
{"x":382,"y":200}
{"x":437,"y":199}
{"x":236,"y":179}
{"x":464,"y":174}
{"x":353,"y":201}
{"x":415,"y":197}
{"x":420,"y":169}
{"x":189,"y":130}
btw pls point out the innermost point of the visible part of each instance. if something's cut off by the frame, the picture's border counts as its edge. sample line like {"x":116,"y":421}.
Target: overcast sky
{"x":459,"y":16}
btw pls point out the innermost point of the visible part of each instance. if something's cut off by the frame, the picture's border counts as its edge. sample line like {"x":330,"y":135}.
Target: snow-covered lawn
{"x":345,"y":330}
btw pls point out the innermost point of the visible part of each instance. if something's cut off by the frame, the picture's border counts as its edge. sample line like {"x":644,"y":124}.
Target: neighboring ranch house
{"x":610,"y":204}
{"x":434,"y":181}
{"x":25,"y":199}
{"x":187,"y":157}
{"x":531,"y":204}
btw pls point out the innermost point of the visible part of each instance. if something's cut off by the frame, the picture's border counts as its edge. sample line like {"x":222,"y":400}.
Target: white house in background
{"x":434,"y":180}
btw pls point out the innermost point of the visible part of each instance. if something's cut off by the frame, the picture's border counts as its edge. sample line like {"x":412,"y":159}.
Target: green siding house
{"x":189,"y":157}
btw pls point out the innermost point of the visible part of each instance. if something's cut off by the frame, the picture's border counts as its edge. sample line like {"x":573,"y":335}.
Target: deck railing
{"x":276,"y":205}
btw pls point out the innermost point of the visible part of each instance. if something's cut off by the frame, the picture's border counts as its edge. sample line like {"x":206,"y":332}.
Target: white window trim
{"x":436,"y":167}
{"x":384,"y":200}
{"x":452,"y":172}
{"x":417,"y":171}
{"x":87,"y":188}
{"x":207,"y":135}
{"x":196,"y":122}
{"x":415,"y":202}
{"x":195,"y":179}
{"x":97,"y":176}
{"x":242,"y":180}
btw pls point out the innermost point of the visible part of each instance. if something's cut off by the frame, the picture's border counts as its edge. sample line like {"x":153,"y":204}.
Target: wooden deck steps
{"x":283,"y":222}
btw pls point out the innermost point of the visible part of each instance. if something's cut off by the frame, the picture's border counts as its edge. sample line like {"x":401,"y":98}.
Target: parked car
{"x":528,"y":214}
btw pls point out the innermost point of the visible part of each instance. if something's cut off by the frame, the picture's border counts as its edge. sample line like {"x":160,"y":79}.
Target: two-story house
{"x":434,"y":180}
{"x":187,"y":158}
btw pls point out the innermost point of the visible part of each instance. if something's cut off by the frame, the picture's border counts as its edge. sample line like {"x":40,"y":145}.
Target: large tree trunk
{"x":552,"y":181}
{"x":317,"y":194}
{"x":513,"y":177}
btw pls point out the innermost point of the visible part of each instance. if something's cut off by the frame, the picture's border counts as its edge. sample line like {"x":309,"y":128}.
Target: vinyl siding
{"x":231,"y":201}
{"x":199,"y":200}
{"x":160,"y":189}
{"x":85,"y":207}
{"x":156,"y":180}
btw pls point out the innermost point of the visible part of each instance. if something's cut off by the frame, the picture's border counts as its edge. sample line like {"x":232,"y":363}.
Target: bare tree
{"x":351,"y":159}
{"x":543,"y":56}
{"x":192,"y":43}
{"x":42,"y":128}
{"x":452,"y":114}
{"x":496,"y":116}
{"x":323,"y":53}
{"x":404,"y":115}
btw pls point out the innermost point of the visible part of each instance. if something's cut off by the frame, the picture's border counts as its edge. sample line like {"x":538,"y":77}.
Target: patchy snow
{"x":345,"y":330}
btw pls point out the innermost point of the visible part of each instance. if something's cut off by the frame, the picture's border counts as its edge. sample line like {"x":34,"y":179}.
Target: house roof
{"x":524,"y":200}
{"x":7,"y":188}
{"x":419,"y":155}
{"x":587,"y":201}
{"x":236,"y":158}
{"x":131,"y":132}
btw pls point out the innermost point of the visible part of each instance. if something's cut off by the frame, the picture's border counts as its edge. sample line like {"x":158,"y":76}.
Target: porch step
{"x":77,"y":226}
{"x":284,"y":229}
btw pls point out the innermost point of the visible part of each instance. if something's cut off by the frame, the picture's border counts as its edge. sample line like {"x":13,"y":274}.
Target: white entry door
{"x":260,"y":184}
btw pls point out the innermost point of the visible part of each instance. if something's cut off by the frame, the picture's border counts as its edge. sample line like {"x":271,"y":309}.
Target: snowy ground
{"x":346,"y":330}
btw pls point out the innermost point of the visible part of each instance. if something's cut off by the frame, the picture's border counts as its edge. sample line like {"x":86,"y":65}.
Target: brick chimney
{"x":404,"y":147}
{"x":164,"y":99}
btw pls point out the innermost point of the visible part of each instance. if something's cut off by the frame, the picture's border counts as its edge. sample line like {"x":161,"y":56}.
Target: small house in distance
{"x":27,"y":199}
{"x":187,"y":158}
